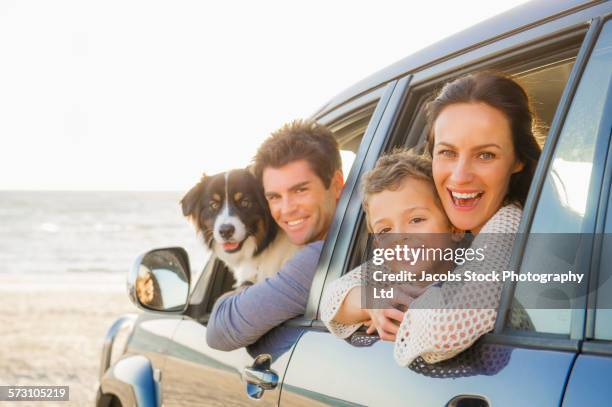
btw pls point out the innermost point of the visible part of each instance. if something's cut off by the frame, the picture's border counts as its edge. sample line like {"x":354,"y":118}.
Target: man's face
{"x":299,"y":202}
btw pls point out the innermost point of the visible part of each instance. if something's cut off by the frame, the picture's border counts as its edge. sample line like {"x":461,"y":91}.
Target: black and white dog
{"x":230,"y":211}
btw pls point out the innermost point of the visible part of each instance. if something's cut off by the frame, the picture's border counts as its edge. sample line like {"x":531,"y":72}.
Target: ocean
{"x":45,"y":232}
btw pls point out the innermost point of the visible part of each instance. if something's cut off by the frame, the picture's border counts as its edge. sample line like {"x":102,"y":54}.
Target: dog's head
{"x":229,"y":209}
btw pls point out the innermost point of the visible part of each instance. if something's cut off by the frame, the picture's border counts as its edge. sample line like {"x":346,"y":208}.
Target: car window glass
{"x":603,"y":313}
{"x":545,"y":86}
{"x":567,"y":203}
{"x":349,"y":132}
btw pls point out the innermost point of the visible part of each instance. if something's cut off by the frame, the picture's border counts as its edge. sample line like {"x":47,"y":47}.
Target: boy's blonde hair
{"x":390,"y":172}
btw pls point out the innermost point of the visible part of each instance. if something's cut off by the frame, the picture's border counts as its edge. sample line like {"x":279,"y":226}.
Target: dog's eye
{"x":214,"y":205}
{"x":245,"y":203}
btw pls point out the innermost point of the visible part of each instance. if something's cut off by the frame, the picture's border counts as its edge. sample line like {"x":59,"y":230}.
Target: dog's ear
{"x":261,"y":197}
{"x":191,"y":201}
{"x":270,"y":228}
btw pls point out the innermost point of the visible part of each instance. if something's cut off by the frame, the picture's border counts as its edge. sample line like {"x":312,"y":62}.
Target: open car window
{"x":544,"y":84}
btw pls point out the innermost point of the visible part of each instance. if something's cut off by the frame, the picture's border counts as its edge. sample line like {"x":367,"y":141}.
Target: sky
{"x":148,"y":95}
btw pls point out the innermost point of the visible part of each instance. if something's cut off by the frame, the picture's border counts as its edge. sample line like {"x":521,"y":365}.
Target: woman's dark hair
{"x":509,"y":97}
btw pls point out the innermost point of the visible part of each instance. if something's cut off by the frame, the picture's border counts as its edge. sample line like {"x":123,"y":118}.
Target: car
{"x":561,"y":52}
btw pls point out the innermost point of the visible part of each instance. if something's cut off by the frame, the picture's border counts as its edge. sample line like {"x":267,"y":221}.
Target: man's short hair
{"x":390,"y":172}
{"x":300,"y":140}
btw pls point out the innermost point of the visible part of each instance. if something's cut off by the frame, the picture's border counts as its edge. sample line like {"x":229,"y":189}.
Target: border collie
{"x":230,"y":211}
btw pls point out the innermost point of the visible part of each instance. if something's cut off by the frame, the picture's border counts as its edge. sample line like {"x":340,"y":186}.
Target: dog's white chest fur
{"x":247,"y":267}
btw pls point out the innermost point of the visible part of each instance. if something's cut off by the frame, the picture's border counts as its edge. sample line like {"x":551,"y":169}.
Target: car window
{"x":568,"y":201}
{"x":349,"y":131}
{"x":544,"y":84}
{"x":603,"y":312}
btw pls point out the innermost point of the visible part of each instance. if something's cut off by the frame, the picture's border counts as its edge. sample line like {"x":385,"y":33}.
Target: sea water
{"x":79,"y":232}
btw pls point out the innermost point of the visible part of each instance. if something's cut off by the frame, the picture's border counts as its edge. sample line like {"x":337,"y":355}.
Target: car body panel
{"x":125,"y":322}
{"x":132,"y":381}
{"x":195,"y":372}
{"x":502,"y":374}
{"x":589,"y":384}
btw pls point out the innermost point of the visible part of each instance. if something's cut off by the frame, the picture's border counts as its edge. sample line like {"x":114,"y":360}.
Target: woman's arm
{"x":447,"y":320}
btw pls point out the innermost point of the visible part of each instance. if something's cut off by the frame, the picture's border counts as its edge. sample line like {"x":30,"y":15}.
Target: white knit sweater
{"x":446,"y":319}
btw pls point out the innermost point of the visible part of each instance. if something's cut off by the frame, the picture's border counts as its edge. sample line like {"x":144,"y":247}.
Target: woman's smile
{"x":464,"y":200}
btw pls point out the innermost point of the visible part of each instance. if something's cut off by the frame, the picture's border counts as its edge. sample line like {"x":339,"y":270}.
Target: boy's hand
{"x":385,"y":322}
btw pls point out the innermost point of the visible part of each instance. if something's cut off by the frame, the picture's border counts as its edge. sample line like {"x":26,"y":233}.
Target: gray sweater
{"x":241,"y":319}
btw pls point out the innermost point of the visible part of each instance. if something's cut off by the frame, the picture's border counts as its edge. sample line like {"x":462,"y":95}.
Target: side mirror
{"x":159,"y":280}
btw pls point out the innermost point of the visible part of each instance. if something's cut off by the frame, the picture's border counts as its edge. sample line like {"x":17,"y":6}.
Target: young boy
{"x":399,"y":197}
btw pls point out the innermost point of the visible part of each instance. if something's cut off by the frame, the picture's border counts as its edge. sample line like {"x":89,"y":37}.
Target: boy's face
{"x":410,"y":216}
{"x":412,"y":208}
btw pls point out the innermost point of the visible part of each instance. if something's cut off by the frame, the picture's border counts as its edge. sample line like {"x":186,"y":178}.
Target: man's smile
{"x":295,"y":223}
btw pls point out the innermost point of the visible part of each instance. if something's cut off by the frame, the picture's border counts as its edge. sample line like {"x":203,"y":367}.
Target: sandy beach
{"x":64,"y":258}
{"x":53,"y":326}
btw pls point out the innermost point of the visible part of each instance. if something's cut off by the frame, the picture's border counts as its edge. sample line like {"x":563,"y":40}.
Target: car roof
{"x":516,"y":19}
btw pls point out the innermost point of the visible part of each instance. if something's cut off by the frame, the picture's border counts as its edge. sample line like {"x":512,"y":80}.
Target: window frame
{"x":339,"y":240}
{"x":556,"y":40}
{"x":339,"y":115}
{"x":592,"y":345}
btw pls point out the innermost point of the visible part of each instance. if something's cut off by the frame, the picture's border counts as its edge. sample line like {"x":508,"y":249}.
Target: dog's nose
{"x":226,"y":230}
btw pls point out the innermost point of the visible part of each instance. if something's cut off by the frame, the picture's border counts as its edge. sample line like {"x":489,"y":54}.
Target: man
{"x":300,"y":169}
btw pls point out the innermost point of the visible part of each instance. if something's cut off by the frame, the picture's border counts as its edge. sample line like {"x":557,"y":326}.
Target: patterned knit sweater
{"x":447,"y":318}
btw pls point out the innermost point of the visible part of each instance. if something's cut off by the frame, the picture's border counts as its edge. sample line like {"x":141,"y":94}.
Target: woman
{"x":484,"y":154}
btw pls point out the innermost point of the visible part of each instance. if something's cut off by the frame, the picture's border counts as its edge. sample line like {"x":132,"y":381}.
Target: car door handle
{"x":468,"y":400}
{"x":259,"y":377}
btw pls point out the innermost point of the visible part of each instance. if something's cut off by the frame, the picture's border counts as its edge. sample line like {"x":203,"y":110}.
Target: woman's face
{"x":473,"y":160}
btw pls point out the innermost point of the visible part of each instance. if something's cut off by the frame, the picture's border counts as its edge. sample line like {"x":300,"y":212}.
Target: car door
{"x":588,"y":383}
{"x":509,"y":366}
{"x":195,"y":374}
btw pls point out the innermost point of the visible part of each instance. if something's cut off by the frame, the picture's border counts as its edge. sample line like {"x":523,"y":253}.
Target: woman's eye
{"x":384,"y":230}
{"x":245,"y":203}
{"x":214,"y":205}
{"x":446,"y":153}
{"x":486,"y":155}
{"x":417,"y":220}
